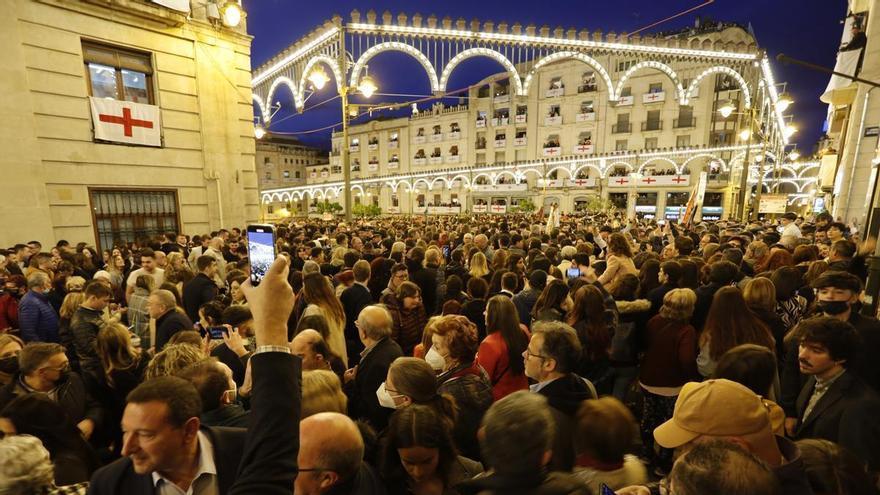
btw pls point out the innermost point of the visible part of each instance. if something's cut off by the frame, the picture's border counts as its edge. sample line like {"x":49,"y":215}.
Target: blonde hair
{"x":75,"y":280}
{"x":760,"y":293}
{"x":479,"y":265}
{"x":172,"y":359}
{"x":115,"y":351}
{"x":678,"y":304}
{"x":322,"y":392}
{"x":72,"y":301}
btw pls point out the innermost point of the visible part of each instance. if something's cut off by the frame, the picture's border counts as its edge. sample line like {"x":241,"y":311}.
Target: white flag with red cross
{"x":126,"y":122}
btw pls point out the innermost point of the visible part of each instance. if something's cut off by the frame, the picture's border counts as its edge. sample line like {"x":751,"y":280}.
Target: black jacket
{"x":532,"y":483}
{"x":260,"y":460}
{"x":705,"y":294}
{"x":371,"y":372}
{"x":865,"y":365}
{"x":846,"y":414}
{"x":474,"y":311}
{"x":426,"y":279}
{"x":84,"y":326}
{"x":354,"y":299}
{"x":232,"y":415}
{"x":524,"y":301}
{"x":71,"y":395}
{"x":169,"y":324}
{"x":656,"y":296}
{"x":565,"y":396}
{"x":196,"y":292}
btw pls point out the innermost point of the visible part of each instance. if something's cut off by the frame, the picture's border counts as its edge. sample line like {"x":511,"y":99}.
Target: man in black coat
{"x":202,"y":288}
{"x":835,"y":404}
{"x":374,"y":326}
{"x":354,"y":299}
{"x":181,"y":451}
{"x":721,"y":273}
{"x":525,"y":300}
{"x":162,"y":306}
{"x":550,"y":359}
{"x":425,"y":278}
{"x":87,"y":320}
{"x":670,"y":272}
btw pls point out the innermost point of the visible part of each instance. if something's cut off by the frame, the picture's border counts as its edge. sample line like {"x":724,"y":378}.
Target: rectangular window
{"x":118,"y":73}
{"x":683,"y":141}
{"x":620,"y":145}
{"x":627,"y":91}
{"x":122,"y":216}
{"x":651,"y":143}
{"x":655,"y":88}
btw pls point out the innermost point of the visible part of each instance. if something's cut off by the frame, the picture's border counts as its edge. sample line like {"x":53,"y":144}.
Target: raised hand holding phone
{"x":261,"y":251}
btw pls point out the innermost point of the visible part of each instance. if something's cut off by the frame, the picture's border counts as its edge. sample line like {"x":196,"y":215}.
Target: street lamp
{"x":367,"y":87}
{"x":231,"y":14}
{"x":783,"y":102}
{"x":259,"y":131}
{"x":745,"y":134}
{"x":794,"y":155}
{"x":727,"y":109}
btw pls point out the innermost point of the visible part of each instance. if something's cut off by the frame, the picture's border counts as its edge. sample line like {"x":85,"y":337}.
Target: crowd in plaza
{"x":428,"y":355}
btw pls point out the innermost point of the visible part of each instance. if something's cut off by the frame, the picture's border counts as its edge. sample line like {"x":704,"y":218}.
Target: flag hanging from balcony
{"x":126,"y":122}
{"x":696,"y":200}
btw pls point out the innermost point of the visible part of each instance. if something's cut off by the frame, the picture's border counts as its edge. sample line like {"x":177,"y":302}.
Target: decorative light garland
{"x":400,"y":47}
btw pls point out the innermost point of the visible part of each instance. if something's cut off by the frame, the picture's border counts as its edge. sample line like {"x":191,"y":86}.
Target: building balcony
{"x":585,"y":117}
{"x":583,"y":149}
{"x":373,"y":167}
{"x":436,"y":138}
{"x":621,"y":127}
{"x":655,"y":97}
{"x":587,"y":88}
{"x":393,"y":145}
{"x":684,"y":123}
{"x":501,"y":98}
{"x":497,"y":121}
{"x":520,"y":119}
{"x":500,"y":143}
{"x":554,"y":93}
{"x":420,"y":161}
{"x":551,"y":151}
{"x":625,"y":101}
{"x":394,"y":164}
{"x":373,"y":146}
{"x":481,"y":123}
{"x":453,"y":159}
{"x":354,"y":148}
{"x":420,"y":140}
{"x":454,"y":135}
{"x":435,"y":160}
{"x":556,"y":120}
{"x":652,"y":125}
{"x":521,"y":141}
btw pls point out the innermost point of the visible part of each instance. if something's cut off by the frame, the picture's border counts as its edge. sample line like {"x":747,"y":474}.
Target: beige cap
{"x":714,"y":407}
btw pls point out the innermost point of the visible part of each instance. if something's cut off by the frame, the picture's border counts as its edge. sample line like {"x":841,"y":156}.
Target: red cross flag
{"x":126,"y":122}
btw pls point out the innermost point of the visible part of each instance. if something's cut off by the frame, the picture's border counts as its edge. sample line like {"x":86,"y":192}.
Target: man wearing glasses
{"x":45,"y":369}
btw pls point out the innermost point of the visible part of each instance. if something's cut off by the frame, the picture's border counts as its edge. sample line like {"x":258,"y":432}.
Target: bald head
{"x":312,"y":349}
{"x":481,"y":241}
{"x":330,"y":441}
{"x":374,"y":322}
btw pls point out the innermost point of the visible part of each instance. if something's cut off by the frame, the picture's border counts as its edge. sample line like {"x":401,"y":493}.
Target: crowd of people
{"x":445,"y":355}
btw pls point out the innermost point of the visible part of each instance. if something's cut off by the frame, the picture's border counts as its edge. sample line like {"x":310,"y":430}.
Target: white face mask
{"x":434,"y":359}
{"x":385,"y":399}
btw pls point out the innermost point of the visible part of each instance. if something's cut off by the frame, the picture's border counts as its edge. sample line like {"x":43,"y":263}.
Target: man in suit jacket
{"x":374,"y":326}
{"x":162,"y":307}
{"x":835,"y":404}
{"x":202,"y":288}
{"x":165,"y":443}
{"x":354,"y":299}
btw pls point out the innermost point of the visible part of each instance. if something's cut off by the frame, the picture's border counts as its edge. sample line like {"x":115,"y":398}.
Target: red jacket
{"x":8,"y":312}
{"x":493,"y":357}
{"x":670,"y":358}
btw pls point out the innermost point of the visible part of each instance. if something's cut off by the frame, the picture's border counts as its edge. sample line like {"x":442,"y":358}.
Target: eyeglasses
{"x":313,"y":470}
{"x":529,"y":354}
{"x":62,"y":369}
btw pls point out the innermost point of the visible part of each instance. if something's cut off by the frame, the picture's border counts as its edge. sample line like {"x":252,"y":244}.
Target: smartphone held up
{"x":261,"y":250}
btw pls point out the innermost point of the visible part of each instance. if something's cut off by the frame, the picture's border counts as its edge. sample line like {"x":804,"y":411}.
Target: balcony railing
{"x":435,"y":160}
{"x":419,"y":139}
{"x":437,"y":137}
{"x":585,"y":117}
{"x":555,"y":120}
{"x":500,"y":143}
{"x":481,"y":123}
{"x":520,"y":141}
{"x":392,"y":145}
{"x":555,"y":92}
{"x":453,"y":159}
{"x":586,"y":88}
{"x":621,"y":127}
{"x":520,"y":119}
{"x":420,"y":161}
{"x":652,"y":125}
{"x":454,"y":135}
{"x":685,"y":122}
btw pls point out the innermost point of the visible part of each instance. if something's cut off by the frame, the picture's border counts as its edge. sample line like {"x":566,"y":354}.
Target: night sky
{"x":804,"y":29}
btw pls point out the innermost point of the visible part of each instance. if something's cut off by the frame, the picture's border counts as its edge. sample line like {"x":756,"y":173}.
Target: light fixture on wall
{"x":229,"y":13}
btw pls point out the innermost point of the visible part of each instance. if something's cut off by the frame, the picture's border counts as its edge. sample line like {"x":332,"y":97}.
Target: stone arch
{"x":657,"y":159}
{"x":484,"y":52}
{"x":399,"y":47}
{"x":743,"y":85}
{"x":554,"y":57}
{"x":651,"y":65}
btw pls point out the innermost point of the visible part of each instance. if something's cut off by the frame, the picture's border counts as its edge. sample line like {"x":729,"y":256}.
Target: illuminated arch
{"x":260,"y":103}
{"x":428,"y":185}
{"x":503,"y":172}
{"x":398,"y":47}
{"x":441,"y":179}
{"x":409,"y":186}
{"x":655,"y":159}
{"x":560,"y":167}
{"x":264,"y":198}
{"x":317,"y":59}
{"x":484,"y":174}
{"x":356,"y":186}
{"x":532,"y":170}
{"x":287,"y":82}
{"x":807,"y":168}
{"x":747,"y":98}
{"x":651,"y":65}
{"x":484,"y":52}
{"x":612,"y":166}
{"x":555,"y":57}
{"x":710,"y":156}
{"x":463,"y":178}
{"x":577,"y":171}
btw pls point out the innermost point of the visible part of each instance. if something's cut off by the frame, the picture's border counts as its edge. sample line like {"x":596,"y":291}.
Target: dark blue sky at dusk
{"x":804,"y":29}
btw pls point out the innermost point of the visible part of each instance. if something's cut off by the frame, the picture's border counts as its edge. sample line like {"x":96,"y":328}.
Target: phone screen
{"x":573,"y":272}
{"x":606,"y":491}
{"x":261,"y":250}
{"x":217,"y":332}
{"x":445,"y":251}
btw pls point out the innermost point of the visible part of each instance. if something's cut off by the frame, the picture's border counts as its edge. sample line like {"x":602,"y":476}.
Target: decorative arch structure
{"x":658,"y":159}
{"x":747,"y":97}
{"x":317,"y":59}
{"x":464,"y":180}
{"x":555,"y":57}
{"x":283,"y":80}
{"x":504,"y":172}
{"x":577,"y":171}
{"x":556,"y":169}
{"x":612,"y":166}
{"x":484,"y":52}
{"x":398,"y":47}
{"x":651,"y":65}
{"x":262,"y":105}
{"x":710,"y":156}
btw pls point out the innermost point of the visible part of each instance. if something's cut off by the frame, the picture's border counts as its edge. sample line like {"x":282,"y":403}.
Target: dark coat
{"x":656,"y":296}
{"x":532,"y":483}
{"x":196,"y":292}
{"x":705,"y":294}
{"x":37,"y":320}
{"x":565,"y":396}
{"x":426,"y":279}
{"x":169,"y":324}
{"x":846,"y":414}
{"x":232,"y":415}
{"x":371,"y":372}
{"x":354,"y":299}
{"x":524,"y":302}
{"x":84,"y":326}
{"x":71,"y":396}
{"x":262,"y":460}
{"x":474,"y":310}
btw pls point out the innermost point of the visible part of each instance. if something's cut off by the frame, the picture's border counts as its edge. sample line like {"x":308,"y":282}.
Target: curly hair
{"x":25,"y":467}
{"x":461,"y":337}
{"x":172,"y":359}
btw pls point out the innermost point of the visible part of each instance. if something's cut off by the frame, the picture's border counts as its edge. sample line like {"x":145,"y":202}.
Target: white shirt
{"x":205,"y":482}
{"x":158,"y":276}
{"x":791,"y":230}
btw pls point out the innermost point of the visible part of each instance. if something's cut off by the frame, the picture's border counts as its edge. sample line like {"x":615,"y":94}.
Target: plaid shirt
{"x":77,"y":489}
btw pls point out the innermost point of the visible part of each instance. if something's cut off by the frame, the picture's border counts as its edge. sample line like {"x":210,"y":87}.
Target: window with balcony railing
{"x":683,"y":122}
{"x":621,"y":127}
{"x":652,"y":125}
